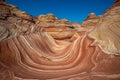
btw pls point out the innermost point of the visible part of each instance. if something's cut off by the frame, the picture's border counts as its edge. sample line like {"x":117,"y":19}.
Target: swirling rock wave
{"x":47,"y":48}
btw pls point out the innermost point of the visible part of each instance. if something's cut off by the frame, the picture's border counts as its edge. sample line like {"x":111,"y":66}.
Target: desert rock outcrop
{"x":48,"y":48}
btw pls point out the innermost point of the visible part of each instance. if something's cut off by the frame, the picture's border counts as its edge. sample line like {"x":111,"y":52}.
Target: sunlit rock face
{"x":91,"y":20}
{"x":107,"y":30}
{"x":48,"y":48}
{"x":51,"y":24}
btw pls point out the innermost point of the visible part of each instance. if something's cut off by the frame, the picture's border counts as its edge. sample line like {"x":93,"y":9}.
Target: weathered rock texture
{"x":48,"y":48}
{"x":51,"y":24}
{"x":107,"y":30}
{"x":91,"y":21}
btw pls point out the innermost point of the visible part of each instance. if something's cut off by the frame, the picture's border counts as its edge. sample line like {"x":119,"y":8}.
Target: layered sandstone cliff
{"x":51,"y":24}
{"x":107,"y":30}
{"x":48,"y":48}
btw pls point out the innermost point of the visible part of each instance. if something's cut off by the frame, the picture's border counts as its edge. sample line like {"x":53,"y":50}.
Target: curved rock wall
{"x":34,"y":49}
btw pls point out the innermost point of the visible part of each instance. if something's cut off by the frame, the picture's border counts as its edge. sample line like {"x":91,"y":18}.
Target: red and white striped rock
{"x":29,"y":53}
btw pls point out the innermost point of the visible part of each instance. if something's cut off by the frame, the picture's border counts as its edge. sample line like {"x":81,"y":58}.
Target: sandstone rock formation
{"x":51,"y":20}
{"x":91,"y":20}
{"x":106,"y":32}
{"x":48,"y":48}
{"x":13,"y":21}
{"x":51,"y":24}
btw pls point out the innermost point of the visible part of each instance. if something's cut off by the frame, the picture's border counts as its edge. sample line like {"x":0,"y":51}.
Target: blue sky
{"x":73,"y":10}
